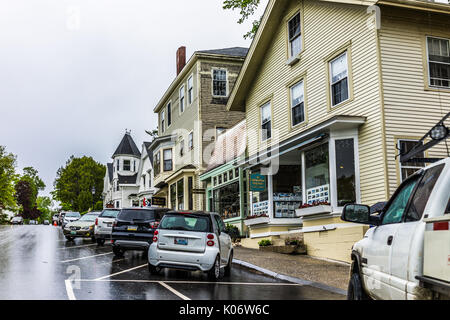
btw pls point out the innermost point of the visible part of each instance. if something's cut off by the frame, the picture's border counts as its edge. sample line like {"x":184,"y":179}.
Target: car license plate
{"x":109,"y":224}
{"x":73,"y":232}
{"x":132,"y":228}
{"x":181,"y":241}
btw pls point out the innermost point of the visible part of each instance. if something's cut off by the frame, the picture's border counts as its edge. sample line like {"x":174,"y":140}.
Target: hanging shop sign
{"x":158,"y":201}
{"x":258,"y":182}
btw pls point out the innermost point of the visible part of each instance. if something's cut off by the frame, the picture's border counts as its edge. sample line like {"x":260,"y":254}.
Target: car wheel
{"x":118,"y":252}
{"x":228,"y":267}
{"x":355,"y":290}
{"x":214,"y":273}
{"x":153,"y":270}
{"x":100,"y":242}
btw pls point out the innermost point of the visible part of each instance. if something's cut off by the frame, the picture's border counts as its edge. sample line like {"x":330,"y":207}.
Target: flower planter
{"x":287,"y":249}
{"x":266,"y":248}
{"x":310,"y":211}
{"x":260,"y":220}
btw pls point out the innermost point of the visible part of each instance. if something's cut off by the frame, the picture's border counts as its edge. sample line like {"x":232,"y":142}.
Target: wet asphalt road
{"x":36,"y":262}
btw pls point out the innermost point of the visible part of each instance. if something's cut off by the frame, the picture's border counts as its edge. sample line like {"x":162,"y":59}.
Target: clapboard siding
{"x":327,"y":28}
{"x":410,"y":109}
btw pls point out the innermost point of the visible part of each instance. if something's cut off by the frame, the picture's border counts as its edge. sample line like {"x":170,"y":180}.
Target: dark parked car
{"x":134,"y":228}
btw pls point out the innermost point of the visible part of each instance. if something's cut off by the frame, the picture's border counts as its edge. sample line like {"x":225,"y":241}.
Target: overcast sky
{"x":75,"y":74}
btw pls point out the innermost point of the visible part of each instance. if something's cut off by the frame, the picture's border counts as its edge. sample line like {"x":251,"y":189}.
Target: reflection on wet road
{"x":36,"y":262}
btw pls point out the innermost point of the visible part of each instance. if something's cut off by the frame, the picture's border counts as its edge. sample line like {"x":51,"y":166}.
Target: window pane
{"x":294,"y":26}
{"x":180,"y":194}
{"x":227,"y":201}
{"x":397,"y":207}
{"x":296,"y":46}
{"x":173,"y":197}
{"x":126,"y":165}
{"x":167,"y":159}
{"x":339,"y":92}
{"x":169,"y":114}
{"x":423,"y":192}
{"x":219,"y":82}
{"x":345,"y":171}
{"x":287,"y":191}
{"x":339,"y":68}
{"x":191,"y":198}
{"x":439,"y":62}
{"x":266,"y":121}
{"x":297,"y":103}
{"x":317,"y":175}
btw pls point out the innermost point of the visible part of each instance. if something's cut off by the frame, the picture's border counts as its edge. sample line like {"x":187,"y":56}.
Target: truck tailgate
{"x":437,"y":248}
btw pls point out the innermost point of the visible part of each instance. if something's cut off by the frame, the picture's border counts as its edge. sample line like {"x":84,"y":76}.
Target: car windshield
{"x":186,"y":223}
{"x":109,"y":214}
{"x":88,"y":217}
{"x":73,"y":214}
{"x":130,"y":215}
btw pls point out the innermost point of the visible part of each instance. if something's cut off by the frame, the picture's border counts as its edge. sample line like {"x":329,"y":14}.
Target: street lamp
{"x":93,"y":201}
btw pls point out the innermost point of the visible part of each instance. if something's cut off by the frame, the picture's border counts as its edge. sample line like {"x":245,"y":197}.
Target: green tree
{"x":74,"y":183}
{"x":246,"y":9}
{"x":7,"y":178}
{"x":44,"y":205}
{"x":33,"y":175}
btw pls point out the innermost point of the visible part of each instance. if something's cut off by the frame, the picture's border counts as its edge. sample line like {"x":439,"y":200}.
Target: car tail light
{"x":210,"y":243}
{"x":155,"y":239}
{"x":442,"y":225}
{"x":154,"y":224}
{"x":114,"y":224}
{"x":210,"y":236}
{"x":96,"y":221}
{"x":156,"y":232}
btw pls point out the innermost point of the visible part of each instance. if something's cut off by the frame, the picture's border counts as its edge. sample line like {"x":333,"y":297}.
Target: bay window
{"x":317,"y":175}
{"x":180,"y":194}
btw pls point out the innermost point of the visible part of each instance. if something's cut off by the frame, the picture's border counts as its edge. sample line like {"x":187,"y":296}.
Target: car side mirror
{"x":358,"y":213}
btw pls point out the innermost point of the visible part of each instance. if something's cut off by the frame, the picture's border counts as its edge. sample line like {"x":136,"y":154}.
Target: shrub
{"x":265,"y":243}
{"x":233,"y":232}
{"x":292,"y":241}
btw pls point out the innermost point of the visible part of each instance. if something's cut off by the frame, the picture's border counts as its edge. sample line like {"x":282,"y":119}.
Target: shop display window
{"x":287,"y":191}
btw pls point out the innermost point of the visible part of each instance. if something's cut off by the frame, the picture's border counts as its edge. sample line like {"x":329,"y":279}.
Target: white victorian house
{"x":128,"y":179}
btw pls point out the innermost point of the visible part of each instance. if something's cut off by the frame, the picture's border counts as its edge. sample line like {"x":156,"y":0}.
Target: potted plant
{"x":265,"y":245}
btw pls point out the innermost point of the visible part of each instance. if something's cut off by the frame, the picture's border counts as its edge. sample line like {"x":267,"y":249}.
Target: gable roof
{"x":235,"y":51}
{"x":234,"y":54}
{"x":146,"y":146}
{"x":127,"y":147}
{"x":270,"y":20}
{"x":110,"y":171}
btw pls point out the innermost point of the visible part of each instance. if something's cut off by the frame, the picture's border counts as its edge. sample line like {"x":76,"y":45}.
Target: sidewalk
{"x":297,"y":266}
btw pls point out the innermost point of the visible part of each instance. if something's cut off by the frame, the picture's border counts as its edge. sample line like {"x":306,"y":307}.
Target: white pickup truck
{"x":405,"y":254}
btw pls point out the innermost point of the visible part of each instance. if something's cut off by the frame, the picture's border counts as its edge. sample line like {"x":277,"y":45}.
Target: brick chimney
{"x":181,"y":59}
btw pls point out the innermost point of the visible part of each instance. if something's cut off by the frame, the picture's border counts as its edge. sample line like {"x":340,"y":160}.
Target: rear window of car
{"x":130,"y":214}
{"x":109,"y":214}
{"x":185,"y":223}
{"x":72,"y":214}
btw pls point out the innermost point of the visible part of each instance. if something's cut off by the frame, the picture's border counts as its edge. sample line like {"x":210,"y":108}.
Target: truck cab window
{"x":424,"y":189}
{"x":397,"y":206}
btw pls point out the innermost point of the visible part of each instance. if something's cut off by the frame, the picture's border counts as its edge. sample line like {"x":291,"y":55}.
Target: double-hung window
{"x":339,"y":79}
{"x":408,"y":168}
{"x":219,"y":83}
{"x":163,"y":119}
{"x":191,"y":141}
{"x":182,"y":99}
{"x":295,"y":36}
{"x":439,"y":62}
{"x":190,"y":84}
{"x":266,"y":122}
{"x":169,"y":114}
{"x":298,"y":103}
{"x":157,"y":163}
{"x":126,"y":165}
{"x":168,"y":160}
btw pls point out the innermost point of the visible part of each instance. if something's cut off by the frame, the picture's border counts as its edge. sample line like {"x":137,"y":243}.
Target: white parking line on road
{"x":165,"y":285}
{"x":97,"y":255}
{"x":204,"y":282}
{"x":84,"y":245}
{"x":69,"y":290}
{"x":114,"y":274}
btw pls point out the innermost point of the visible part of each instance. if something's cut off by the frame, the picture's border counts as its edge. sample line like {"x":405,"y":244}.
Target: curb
{"x":290,"y":279}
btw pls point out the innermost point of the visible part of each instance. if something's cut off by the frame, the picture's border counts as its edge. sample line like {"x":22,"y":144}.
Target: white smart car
{"x":191,"y":241}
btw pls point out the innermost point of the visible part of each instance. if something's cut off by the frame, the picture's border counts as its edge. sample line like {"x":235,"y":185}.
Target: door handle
{"x":389,"y":241}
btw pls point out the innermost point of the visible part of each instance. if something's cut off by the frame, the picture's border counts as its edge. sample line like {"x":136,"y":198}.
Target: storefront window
{"x":287,"y":191}
{"x":317,"y":175}
{"x":227,"y":201}
{"x":173,"y":197}
{"x":345,"y":172}
{"x":180,"y":194}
